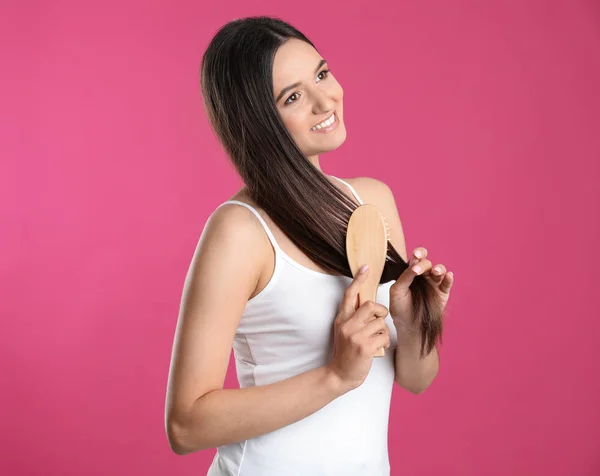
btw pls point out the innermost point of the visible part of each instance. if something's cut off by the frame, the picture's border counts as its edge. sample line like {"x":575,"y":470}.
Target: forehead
{"x":294,"y":60}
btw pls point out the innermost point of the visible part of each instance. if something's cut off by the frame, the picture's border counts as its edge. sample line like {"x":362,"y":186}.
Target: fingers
{"x":372,"y":337}
{"x":350,"y":300}
{"x":378,"y":341}
{"x":418,"y":264}
{"x":374,"y":328}
{"x":369,"y":311}
{"x":370,"y":315}
{"x":421,"y":267}
{"x":447,"y":282}
{"x":417,"y":255}
{"x":437,"y":273}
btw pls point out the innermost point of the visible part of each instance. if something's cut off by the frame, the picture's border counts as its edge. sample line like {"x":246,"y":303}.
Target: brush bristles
{"x":387,"y":228}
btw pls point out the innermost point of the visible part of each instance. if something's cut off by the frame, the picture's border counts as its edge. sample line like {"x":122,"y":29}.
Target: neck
{"x":314,"y":159}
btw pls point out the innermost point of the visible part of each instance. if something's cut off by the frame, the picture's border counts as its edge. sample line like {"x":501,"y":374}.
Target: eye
{"x":287,"y":101}
{"x":326,"y":71}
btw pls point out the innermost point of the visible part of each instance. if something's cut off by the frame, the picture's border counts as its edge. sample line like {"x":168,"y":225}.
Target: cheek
{"x":295,"y":124}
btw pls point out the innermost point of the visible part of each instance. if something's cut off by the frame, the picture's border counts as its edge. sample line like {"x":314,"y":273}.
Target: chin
{"x":331,"y":144}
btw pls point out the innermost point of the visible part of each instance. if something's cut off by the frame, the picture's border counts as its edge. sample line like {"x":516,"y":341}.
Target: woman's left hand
{"x":400,"y":295}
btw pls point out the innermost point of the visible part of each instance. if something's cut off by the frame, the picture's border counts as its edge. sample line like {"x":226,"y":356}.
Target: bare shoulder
{"x":379,"y":193}
{"x":229,"y":217}
{"x":233,"y":236}
{"x":370,"y":187}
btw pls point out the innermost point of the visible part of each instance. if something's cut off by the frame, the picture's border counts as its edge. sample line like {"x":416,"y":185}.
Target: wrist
{"x":336,"y":385}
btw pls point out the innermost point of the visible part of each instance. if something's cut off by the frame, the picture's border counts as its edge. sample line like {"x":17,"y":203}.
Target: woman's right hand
{"x":358,"y":334}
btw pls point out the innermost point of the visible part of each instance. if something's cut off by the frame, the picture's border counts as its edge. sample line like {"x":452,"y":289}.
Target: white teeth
{"x":324,"y":124}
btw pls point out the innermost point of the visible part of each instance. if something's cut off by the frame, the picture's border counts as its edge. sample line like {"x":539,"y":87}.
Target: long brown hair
{"x":236,"y":78}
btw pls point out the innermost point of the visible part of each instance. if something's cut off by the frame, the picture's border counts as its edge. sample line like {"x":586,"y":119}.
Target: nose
{"x":323,"y":102}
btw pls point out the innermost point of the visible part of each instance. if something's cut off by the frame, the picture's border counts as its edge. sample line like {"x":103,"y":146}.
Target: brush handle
{"x":367,"y":243}
{"x":367,"y":293}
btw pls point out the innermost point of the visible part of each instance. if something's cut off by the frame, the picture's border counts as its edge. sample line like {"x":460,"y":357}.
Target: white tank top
{"x":285,"y":330}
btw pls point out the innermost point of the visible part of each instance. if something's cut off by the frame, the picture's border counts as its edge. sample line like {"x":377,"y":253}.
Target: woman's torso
{"x":287,"y":329}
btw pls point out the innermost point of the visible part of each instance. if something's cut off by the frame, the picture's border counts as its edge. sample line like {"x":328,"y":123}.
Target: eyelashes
{"x":326,"y":71}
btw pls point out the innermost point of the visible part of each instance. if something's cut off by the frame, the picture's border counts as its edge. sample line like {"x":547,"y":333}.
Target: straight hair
{"x":236,"y":80}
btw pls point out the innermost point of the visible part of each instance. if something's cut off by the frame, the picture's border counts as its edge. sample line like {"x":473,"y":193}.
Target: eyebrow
{"x":295,"y":85}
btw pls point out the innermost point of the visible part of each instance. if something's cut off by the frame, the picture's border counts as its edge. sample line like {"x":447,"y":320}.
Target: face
{"x":306,"y":95}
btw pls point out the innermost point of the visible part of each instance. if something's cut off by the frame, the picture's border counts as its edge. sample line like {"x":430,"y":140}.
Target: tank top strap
{"x":260,"y":219}
{"x":350,"y":187}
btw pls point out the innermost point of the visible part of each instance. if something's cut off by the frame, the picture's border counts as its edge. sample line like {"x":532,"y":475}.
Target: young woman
{"x":270,"y":277}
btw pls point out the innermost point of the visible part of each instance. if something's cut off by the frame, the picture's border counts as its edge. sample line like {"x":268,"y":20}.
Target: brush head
{"x":366,"y":243}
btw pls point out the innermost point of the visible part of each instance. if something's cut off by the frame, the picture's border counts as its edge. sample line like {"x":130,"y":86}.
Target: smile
{"x":327,"y":125}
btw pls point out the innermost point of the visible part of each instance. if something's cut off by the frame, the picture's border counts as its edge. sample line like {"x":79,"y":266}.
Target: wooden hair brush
{"x":367,"y":239}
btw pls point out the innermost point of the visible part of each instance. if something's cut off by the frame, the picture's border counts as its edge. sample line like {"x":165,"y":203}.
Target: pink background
{"x":483,"y":117}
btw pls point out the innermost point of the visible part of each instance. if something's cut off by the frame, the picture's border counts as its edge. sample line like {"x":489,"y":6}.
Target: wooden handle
{"x":362,"y":297}
{"x":366,"y":243}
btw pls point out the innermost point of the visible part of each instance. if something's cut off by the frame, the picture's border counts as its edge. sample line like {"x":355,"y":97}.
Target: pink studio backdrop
{"x":482,"y":117}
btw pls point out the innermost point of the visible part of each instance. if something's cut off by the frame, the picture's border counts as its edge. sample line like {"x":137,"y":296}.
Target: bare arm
{"x":229,"y":415}
{"x":199,"y":413}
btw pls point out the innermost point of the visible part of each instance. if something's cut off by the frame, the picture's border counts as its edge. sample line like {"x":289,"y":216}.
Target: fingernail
{"x":437,"y":270}
{"x":416,"y":269}
{"x":363,"y":268}
{"x":418,"y":254}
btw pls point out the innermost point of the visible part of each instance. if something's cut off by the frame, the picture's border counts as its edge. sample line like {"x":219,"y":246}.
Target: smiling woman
{"x":270,"y":277}
{"x":315,"y":103}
